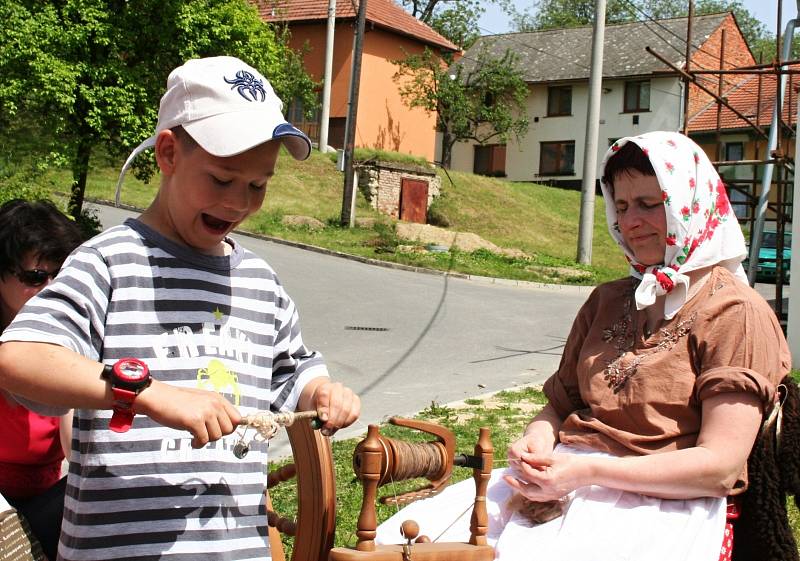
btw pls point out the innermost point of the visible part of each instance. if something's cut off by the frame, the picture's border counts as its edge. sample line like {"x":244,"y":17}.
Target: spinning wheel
{"x":376,"y":458}
{"x":314,"y":528}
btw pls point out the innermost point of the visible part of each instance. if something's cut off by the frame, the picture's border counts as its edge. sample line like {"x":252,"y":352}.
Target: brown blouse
{"x":624,"y":392}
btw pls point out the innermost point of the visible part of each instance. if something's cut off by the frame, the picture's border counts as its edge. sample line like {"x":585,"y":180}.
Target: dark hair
{"x":38,"y":227}
{"x":184,"y":138}
{"x":627,"y":159}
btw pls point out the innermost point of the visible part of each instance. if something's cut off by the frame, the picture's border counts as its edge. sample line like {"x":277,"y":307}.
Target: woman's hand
{"x":541,"y":436}
{"x":547,"y":477}
{"x":531,"y":443}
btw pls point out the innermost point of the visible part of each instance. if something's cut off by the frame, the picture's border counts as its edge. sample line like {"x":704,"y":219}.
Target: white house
{"x":640,"y":93}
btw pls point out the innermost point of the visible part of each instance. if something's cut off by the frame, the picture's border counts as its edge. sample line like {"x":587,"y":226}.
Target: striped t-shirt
{"x":219,"y":323}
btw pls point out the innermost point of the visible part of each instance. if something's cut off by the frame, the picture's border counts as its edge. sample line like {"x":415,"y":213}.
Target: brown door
{"x":414,"y":200}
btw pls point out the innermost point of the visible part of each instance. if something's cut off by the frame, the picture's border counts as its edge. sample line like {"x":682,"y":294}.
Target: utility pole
{"x":586,"y":224}
{"x":326,"y":84}
{"x":685,"y":124}
{"x":348,"y":197}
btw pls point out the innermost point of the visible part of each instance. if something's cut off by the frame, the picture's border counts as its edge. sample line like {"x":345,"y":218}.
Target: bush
{"x":436,"y":215}
{"x":386,"y":240}
{"x":19,"y":183}
{"x":89,"y":223}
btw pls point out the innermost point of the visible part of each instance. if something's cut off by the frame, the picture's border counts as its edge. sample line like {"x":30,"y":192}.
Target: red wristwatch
{"x":128,"y":377}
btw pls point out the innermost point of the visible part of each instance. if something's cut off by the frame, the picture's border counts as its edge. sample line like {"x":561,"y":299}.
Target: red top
{"x":30,"y":451}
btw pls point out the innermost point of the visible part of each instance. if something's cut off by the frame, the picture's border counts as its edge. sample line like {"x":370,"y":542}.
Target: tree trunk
{"x":80,"y":171}
{"x":447,"y":149}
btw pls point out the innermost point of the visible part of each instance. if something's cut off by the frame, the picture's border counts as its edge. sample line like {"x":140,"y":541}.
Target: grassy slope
{"x":533,"y":218}
{"x":540,"y":220}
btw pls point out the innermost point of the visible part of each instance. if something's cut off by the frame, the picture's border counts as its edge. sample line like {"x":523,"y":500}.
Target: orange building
{"x":383,"y":121}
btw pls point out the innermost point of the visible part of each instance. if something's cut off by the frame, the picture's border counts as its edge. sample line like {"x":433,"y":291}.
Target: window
{"x":557,"y":158}
{"x":559,"y":101}
{"x":490,"y":160}
{"x":637,"y":96}
{"x":738,"y":199}
{"x":734,"y":151}
{"x":308,"y":123}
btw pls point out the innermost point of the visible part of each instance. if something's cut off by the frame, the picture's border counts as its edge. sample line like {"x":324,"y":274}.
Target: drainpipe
{"x":772,"y":142}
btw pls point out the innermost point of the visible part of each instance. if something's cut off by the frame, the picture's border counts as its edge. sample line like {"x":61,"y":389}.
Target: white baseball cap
{"x":226,"y":106}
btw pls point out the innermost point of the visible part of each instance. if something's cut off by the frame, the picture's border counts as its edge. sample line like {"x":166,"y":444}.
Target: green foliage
{"x":19,"y":184}
{"x":91,"y":72}
{"x":437,"y":216}
{"x":386,"y":240}
{"x":89,"y":223}
{"x":552,"y":14}
{"x":457,"y":20}
{"x":481,"y":99}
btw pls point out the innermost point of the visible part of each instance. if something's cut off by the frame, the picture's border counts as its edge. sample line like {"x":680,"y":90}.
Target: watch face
{"x":131,"y":370}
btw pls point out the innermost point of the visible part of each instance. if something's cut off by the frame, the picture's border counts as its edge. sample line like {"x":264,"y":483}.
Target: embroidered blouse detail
{"x":621,"y":334}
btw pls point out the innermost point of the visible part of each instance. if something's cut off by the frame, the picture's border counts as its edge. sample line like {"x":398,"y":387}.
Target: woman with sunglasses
{"x":35,"y":238}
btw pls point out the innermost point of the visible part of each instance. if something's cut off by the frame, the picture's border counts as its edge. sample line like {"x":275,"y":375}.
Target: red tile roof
{"x":742,"y":93}
{"x":381,"y":13}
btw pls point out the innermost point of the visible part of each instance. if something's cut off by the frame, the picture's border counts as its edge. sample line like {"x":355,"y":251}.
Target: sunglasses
{"x":35,"y":277}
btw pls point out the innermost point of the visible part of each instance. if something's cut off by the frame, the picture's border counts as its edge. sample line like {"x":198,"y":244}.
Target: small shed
{"x":403,"y":191}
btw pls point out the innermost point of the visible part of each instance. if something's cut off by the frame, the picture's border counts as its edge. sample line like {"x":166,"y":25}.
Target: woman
{"x":662,"y":386}
{"x":35,"y":238}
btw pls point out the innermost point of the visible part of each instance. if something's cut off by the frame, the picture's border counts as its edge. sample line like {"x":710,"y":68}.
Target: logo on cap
{"x":248,"y":86}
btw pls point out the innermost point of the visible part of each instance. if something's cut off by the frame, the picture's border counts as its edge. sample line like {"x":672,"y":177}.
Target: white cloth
{"x":600,"y":524}
{"x":702,"y":229}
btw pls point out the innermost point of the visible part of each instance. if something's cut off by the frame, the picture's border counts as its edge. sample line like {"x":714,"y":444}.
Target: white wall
{"x":522,"y":159}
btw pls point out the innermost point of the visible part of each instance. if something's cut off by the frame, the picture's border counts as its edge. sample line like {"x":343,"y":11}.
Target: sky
{"x":493,"y":21}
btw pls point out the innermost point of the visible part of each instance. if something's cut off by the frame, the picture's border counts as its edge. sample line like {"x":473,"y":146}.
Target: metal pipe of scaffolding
{"x":772,"y":144}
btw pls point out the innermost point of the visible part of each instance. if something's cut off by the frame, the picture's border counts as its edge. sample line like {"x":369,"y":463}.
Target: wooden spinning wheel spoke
{"x":314,"y":528}
{"x":281,"y":523}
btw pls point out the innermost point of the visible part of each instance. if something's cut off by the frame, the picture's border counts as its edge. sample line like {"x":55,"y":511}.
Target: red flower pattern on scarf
{"x":665,"y":282}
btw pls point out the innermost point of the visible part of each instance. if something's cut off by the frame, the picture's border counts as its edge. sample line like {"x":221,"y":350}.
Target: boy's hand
{"x":205,"y":414}
{"x":336,"y":405}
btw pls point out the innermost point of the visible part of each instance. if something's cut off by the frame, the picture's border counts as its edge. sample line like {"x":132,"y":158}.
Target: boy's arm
{"x":336,"y":405}
{"x":56,"y":376}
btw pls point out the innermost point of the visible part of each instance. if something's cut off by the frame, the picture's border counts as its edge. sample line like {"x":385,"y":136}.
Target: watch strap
{"x":122,"y":418}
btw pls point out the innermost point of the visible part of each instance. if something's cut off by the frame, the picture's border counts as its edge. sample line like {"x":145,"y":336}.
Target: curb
{"x":571,"y":288}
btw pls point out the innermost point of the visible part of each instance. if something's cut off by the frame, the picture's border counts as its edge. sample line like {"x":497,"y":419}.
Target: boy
{"x":201,"y":316}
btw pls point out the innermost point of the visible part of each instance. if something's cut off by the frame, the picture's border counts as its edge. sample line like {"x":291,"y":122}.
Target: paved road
{"x":403,"y":339}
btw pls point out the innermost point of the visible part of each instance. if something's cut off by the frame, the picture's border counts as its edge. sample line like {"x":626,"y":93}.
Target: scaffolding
{"x":771,"y":153}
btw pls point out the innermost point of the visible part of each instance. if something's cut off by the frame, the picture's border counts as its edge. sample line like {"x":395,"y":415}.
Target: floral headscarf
{"x":701,"y":227}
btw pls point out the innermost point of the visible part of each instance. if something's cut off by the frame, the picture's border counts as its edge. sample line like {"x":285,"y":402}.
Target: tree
{"x":457,"y":20}
{"x":91,"y":72}
{"x":480,"y":99}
